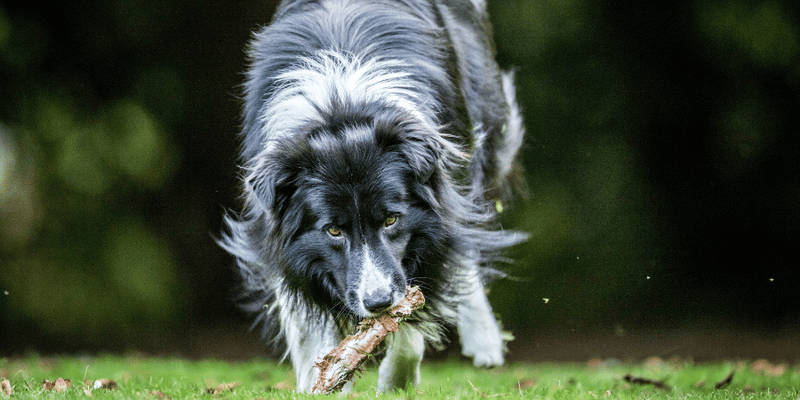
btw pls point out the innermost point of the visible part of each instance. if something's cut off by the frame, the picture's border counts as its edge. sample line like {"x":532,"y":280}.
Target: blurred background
{"x":661,"y":161}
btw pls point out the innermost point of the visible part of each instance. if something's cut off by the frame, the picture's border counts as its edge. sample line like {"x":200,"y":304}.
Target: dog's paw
{"x":484,"y":353}
{"x":488,"y":359}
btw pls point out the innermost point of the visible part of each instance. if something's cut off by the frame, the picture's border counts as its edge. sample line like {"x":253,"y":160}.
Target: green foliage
{"x":529,"y":28}
{"x":142,"y":377}
{"x":762,"y":33}
{"x":76,"y":261}
{"x":644,"y":123}
{"x":93,"y":268}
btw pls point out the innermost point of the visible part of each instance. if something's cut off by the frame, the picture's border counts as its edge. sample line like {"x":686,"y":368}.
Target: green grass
{"x":140,"y":377}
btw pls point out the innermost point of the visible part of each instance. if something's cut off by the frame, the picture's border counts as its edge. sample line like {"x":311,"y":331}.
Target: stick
{"x":341,"y":364}
{"x":636,"y":380}
{"x":725,"y":382}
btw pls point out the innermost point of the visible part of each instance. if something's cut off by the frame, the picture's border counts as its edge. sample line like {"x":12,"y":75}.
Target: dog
{"x":376,"y":137}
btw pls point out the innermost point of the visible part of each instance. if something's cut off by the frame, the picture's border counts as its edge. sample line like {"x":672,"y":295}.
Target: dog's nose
{"x":378,"y":300}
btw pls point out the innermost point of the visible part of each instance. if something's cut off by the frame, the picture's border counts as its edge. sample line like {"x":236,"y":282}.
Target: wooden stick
{"x":340,"y":365}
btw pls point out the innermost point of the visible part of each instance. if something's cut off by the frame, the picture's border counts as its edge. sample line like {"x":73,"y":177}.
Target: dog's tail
{"x":513,"y":132}
{"x":495,"y":169}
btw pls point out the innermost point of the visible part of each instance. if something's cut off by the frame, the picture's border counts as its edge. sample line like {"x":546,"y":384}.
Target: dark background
{"x":661,"y":161}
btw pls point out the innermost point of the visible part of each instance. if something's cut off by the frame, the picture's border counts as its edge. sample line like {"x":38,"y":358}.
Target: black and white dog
{"x":374,"y":132}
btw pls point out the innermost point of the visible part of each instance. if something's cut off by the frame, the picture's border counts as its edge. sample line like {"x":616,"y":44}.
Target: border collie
{"x":376,"y":136}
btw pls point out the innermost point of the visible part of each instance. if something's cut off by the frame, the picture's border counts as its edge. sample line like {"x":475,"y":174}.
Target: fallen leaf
{"x":655,"y":363}
{"x":59,"y":385}
{"x":595,"y":364}
{"x":676,"y":363}
{"x":62,"y":385}
{"x":764,"y":367}
{"x":5,"y":386}
{"x":104,"y":384}
{"x":282,"y":386}
{"x":159,"y":394}
{"x":526,"y":384}
{"x":222,"y":387}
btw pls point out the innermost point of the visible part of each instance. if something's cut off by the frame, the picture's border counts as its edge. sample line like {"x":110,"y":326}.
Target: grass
{"x":140,"y":377}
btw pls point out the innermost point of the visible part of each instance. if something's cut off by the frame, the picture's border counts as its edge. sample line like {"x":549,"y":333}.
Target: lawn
{"x":141,"y":377}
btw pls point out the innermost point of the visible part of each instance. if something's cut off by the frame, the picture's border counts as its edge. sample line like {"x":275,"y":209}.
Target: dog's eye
{"x":390,"y":221}
{"x":334,"y":231}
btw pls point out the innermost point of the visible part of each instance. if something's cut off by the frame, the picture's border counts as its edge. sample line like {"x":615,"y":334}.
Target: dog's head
{"x":353,"y":202}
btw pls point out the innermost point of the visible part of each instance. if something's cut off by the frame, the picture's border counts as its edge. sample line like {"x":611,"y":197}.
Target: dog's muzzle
{"x":375,"y":287}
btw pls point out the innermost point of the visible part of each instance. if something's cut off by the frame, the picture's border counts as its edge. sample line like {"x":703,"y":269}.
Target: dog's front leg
{"x":480,"y":334}
{"x":403,"y":357}
{"x":307,"y":342}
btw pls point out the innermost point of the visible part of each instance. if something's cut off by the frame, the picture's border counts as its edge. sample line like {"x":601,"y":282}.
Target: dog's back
{"x":482,"y":113}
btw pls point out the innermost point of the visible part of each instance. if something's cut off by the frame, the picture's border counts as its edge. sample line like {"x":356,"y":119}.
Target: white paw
{"x":481,"y":338}
{"x":486,"y":352}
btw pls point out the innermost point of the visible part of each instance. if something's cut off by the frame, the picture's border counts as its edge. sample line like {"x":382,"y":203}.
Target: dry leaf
{"x":595,"y":364}
{"x":764,"y":367}
{"x":62,"y":385}
{"x":59,"y":385}
{"x":526,"y":384}
{"x":159,"y":394}
{"x":104,"y":384}
{"x":222,"y":387}
{"x":655,"y":363}
{"x":5,"y":387}
{"x":282,"y":386}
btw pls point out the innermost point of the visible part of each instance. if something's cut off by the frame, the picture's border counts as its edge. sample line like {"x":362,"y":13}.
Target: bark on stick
{"x":340,"y":365}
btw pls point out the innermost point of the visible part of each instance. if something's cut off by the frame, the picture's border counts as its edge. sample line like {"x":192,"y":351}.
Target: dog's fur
{"x":373,"y":133}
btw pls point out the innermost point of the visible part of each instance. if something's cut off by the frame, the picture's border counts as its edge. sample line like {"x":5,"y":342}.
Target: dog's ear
{"x":422,"y":155}
{"x":269,"y":188}
{"x":265,"y":184}
{"x":418,"y":142}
